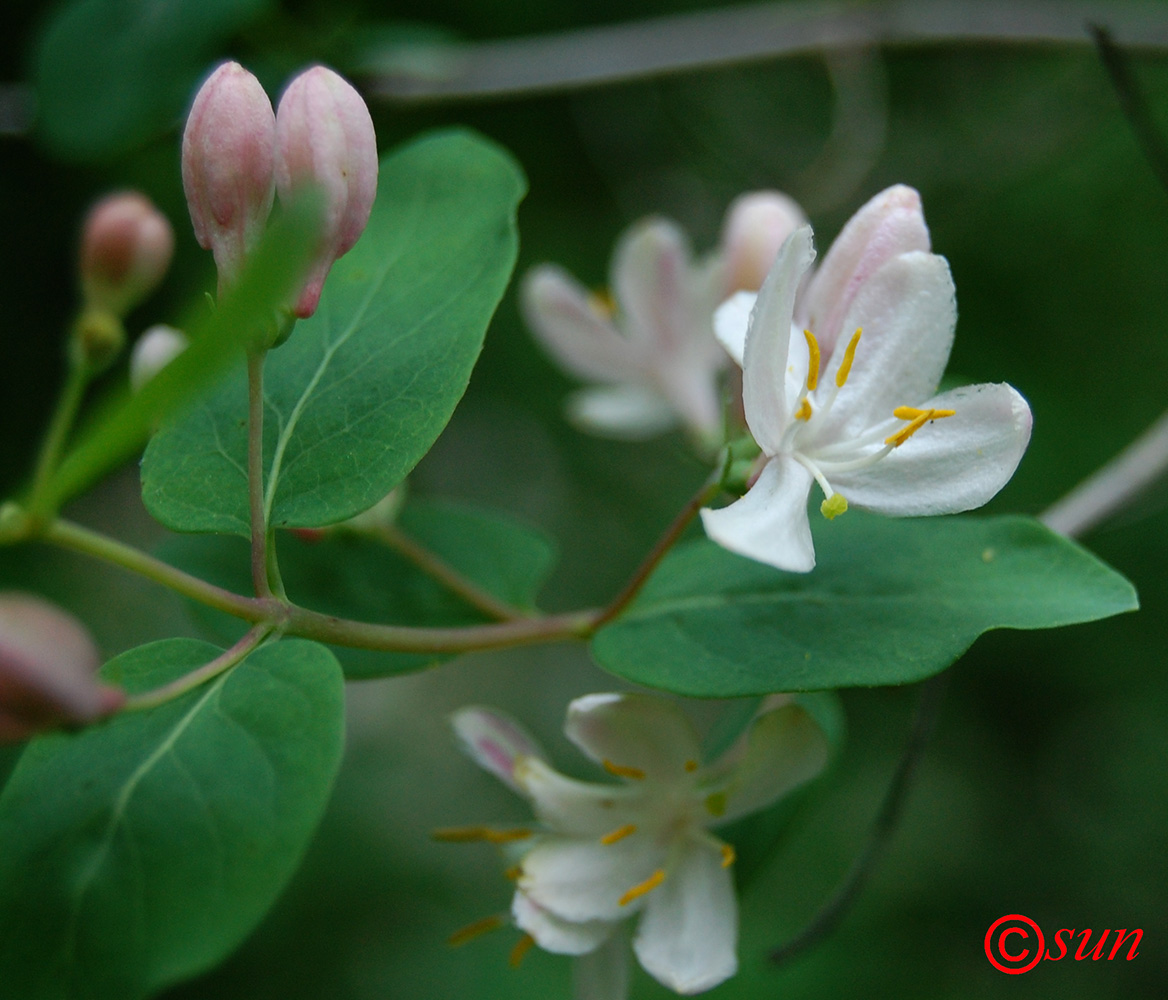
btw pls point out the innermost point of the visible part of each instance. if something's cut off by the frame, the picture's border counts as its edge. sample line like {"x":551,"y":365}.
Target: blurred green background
{"x":1044,"y":790}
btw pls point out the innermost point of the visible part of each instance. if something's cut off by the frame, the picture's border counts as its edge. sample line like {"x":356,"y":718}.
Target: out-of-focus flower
{"x":858,"y":414}
{"x":325,"y":140}
{"x":126,"y":247}
{"x":652,"y":349}
{"x":154,"y":350}
{"x":607,"y":852}
{"x":48,"y":665}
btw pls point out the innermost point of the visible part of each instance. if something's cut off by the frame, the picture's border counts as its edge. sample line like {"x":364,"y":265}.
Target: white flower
{"x":607,"y":852}
{"x":154,"y":350}
{"x":845,"y":396}
{"x":652,"y":348}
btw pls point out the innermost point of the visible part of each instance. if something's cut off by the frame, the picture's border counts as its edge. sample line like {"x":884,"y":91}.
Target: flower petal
{"x":647,"y":733}
{"x":764,"y":367}
{"x":757,"y":224}
{"x":603,"y":974}
{"x":631,"y":412}
{"x":782,"y":749}
{"x":907,"y":312}
{"x":577,"y":808}
{"x":651,"y":272}
{"x":950,"y":465}
{"x":563,"y":937}
{"x":494,"y":741}
{"x":770,"y":522}
{"x":890,"y":224}
{"x":567,"y":324}
{"x":731,"y":321}
{"x":688,"y":936}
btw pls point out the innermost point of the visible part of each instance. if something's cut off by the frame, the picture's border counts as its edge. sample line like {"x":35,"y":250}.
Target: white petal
{"x":578,"y":808}
{"x":646,"y":732}
{"x":563,"y":937}
{"x":581,"y":879}
{"x":688,"y":936}
{"x":907,"y":311}
{"x":651,"y":272}
{"x":950,"y":465}
{"x":782,"y":749}
{"x":603,"y":974}
{"x":691,"y":386}
{"x":764,"y":364}
{"x":154,"y":350}
{"x":559,"y":312}
{"x":757,"y":224}
{"x":730,"y":323}
{"x":890,"y":224}
{"x":494,"y":741}
{"x":769,"y":523}
{"x":631,"y":412}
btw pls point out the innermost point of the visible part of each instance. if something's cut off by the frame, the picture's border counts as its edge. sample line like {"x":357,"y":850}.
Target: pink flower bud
{"x":756,"y":226}
{"x":228,"y":158}
{"x":126,"y":246}
{"x":325,"y":139}
{"x":48,"y":665}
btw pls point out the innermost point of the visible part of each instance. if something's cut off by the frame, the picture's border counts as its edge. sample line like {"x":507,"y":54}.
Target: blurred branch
{"x":609,"y":54}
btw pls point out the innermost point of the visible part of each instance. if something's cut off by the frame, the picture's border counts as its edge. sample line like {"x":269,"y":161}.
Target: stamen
{"x":477,"y":929}
{"x":845,"y":367}
{"x":833,"y":506}
{"x":691,"y":766}
{"x":469,"y":834}
{"x":512,"y":874}
{"x":643,"y":888}
{"x":602,"y":303}
{"x":804,"y":411}
{"x":922,"y":417}
{"x":619,"y":833}
{"x":623,"y":772}
{"x":813,"y":361}
{"x":728,"y":856}
{"x":522,"y":947}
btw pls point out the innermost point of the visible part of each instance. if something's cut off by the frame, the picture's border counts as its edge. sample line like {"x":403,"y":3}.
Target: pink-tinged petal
{"x":494,"y":741}
{"x":757,"y":224}
{"x":890,"y":224}
{"x":651,"y":271}
{"x":768,"y":340}
{"x":577,"y":808}
{"x":603,"y":974}
{"x":692,"y":389}
{"x":688,"y":935}
{"x":646,"y":733}
{"x":629,"y":412}
{"x":950,"y":465}
{"x":732,"y":320}
{"x":907,"y":312}
{"x":782,"y":749}
{"x":569,"y":326}
{"x":554,"y":934}
{"x":769,"y":524}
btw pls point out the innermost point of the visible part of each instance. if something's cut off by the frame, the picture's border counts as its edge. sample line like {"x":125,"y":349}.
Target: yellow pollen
{"x":623,"y":772}
{"x":602,"y":303}
{"x":643,"y":888}
{"x":833,"y":506}
{"x":522,"y":947}
{"x":845,"y":367}
{"x":469,"y":834}
{"x":691,"y":766}
{"x":916,"y":422}
{"x":804,"y":411}
{"x":813,"y":361}
{"x":477,"y":929}
{"x":512,"y":874}
{"x":728,"y":856}
{"x":619,"y":833}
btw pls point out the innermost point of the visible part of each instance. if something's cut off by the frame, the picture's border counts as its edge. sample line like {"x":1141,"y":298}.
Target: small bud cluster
{"x":237,"y":154}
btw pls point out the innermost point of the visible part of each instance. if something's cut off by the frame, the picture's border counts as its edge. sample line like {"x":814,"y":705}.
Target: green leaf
{"x":141,"y":851}
{"x":110,"y":74}
{"x":891,"y":601}
{"x":354,"y":577}
{"x":360,"y":391}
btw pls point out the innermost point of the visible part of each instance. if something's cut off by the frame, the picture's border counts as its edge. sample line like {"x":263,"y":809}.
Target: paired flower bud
{"x":126,"y":246}
{"x":236,"y":153}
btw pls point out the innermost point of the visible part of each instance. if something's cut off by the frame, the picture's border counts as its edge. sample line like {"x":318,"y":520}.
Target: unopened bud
{"x":48,"y":666}
{"x":126,"y":246}
{"x":325,"y":140}
{"x":756,"y":226}
{"x":98,"y":338}
{"x":228,"y":159}
{"x":154,"y":350}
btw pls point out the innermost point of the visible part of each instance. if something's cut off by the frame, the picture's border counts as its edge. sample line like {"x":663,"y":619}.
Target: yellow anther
{"x":642,"y":888}
{"x":512,"y":874}
{"x":522,"y":947}
{"x":833,"y":506}
{"x":619,"y":833}
{"x":907,"y":412}
{"x":602,"y":303}
{"x":691,"y":766}
{"x":623,"y":772}
{"x":469,"y":834}
{"x":813,"y":360}
{"x":804,"y":411}
{"x":728,"y":856}
{"x":845,"y":367}
{"x":477,"y":929}
{"x":915,"y":423}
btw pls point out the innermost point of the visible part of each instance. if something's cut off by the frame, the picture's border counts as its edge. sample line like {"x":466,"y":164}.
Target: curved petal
{"x":731,"y":321}
{"x":581,"y":879}
{"x":494,"y":741}
{"x":627,"y":411}
{"x":691,"y":386}
{"x":577,"y":808}
{"x":949,"y":465}
{"x":650,"y":279}
{"x":559,"y":311}
{"x":648,"y":733}
{"x":757,"y":223}
{"x":782,"y":749}
{"x":890,"y":224}
{"x":769,"y":523}
{"x":768,"y":339}
{"x":563,"y":937}
{"x":603,"y":974}
{"x":688,"y":936}
{"x":907,"y":312}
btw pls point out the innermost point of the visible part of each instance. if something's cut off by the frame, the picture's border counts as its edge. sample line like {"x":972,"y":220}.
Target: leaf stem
{"x":255,"y":473}
{"x":57,"y":434}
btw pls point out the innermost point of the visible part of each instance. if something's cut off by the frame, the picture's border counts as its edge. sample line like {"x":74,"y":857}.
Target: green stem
{"x":255,"y":473}
{"x":58,"y":432}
